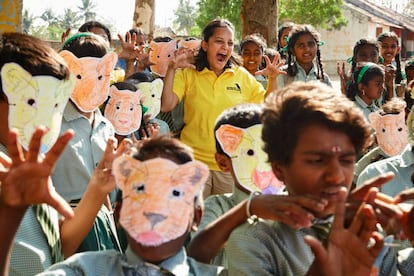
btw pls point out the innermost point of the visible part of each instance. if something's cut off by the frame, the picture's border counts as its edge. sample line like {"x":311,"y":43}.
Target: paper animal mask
{"x":35,"y":101}
{"x":158,"y":197}
{"x":193,"y":44}
{"x":245,"y":147}
{"x":391,"y":132}
{"x":124,"y":110}
{"x":92,"y":79}
{"x":151,"y":96}
{"x":160,"y":55}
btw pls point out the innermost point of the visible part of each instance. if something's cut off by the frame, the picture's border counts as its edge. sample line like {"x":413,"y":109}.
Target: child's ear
{"x":278,"y":171}
{"x":223,"y":161}
{"x":204,"y":45}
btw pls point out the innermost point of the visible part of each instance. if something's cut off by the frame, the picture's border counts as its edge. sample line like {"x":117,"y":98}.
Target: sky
{"x":118,"y":12}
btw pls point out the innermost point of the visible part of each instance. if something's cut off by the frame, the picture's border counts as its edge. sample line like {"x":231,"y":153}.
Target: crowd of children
{"x":127,"y":146}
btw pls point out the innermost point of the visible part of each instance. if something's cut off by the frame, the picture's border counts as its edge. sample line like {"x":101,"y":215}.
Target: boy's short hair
{"x":33,"y":54}
{"x":164,"y":147}
{"x":86,"y":45}
{"x":88,"y":26}
{"x":241,"y":115}
{"x":288,"y":111}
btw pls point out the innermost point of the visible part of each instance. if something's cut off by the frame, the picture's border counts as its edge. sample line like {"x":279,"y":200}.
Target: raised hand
{"x":347,"y":252}
{"x":340,"y":69}
{"x":272,"y":69}
{"x":183,"y":58}
{"x":407,"y":220}
{"x":102,"y":178}
{"x":295,"y":211}
{"x":25,"y":177}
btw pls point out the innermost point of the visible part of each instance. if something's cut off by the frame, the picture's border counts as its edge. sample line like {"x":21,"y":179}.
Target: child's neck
{"x":306,"y":66}
{"x":366,"y":100}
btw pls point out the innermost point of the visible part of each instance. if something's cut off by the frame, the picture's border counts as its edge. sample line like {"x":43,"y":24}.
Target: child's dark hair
{"x":140,"y":77}
{"x":364,"y":72}
{"x":286,"y":25}
{"x":33,"y":54}
{"x":162,"y":39}
{"x":358,"y":45}
{"x":164,"y":147}
{"x":394,"y":106}
{"x":86,"y":45}
{"x":283,"y":122}
{"x":241,"y":115}
{"x":137,"y":31}
{"x":87,"y":27}
{"x":201,"y":61}
{"x":255,"y":38}
{"x":381,"y":37}
{"x":295,"y":33}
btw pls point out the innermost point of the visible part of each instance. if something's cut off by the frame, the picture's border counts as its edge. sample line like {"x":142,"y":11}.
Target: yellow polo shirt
{"x":205,"y":96}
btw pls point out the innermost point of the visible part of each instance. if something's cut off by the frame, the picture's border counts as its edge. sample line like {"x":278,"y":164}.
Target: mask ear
{"x":229,"y":138}
{"x":71,"y":60}
{"x":194,"y":174}
{"x":14,"y":78}
{"x":109,"y":61}
{"x":122,"y":168}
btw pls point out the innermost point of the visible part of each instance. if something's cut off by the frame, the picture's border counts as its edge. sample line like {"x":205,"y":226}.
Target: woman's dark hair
{"x":201,"y":61}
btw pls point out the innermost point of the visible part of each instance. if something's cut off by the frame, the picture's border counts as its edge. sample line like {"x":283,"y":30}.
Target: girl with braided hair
{"x":303,"y":57}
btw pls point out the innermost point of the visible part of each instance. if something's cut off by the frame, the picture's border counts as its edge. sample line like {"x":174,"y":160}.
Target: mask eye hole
{"x":250,"y":152}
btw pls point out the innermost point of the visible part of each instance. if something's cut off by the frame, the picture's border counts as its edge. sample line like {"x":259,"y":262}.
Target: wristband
{"x":251,"y":218}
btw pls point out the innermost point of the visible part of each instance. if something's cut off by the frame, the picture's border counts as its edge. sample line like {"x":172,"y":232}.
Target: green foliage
{"x":185,"y":17}
{"x":228,"y":9}
{"x":326,"y":14}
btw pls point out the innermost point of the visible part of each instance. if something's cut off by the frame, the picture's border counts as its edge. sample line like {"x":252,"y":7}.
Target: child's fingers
{"x":369,"y":223}
{"x":404,"y":196}
{"x":379,"y":244}
{"x":361,"y":191}
{"x":57,"y":149}
{"x":338,"y":222}
{"x":317,"y":247}
{"x":34,"y":145}
{"x":14,"y":148}
{"x":5,"y":160}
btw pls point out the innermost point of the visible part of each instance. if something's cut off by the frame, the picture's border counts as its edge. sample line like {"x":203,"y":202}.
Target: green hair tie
{"x":363,"y":71}
{"x":349,"y":60}
{"x":75,"y":36}
{"x":144,"y":109}
{"x":321,"y":43}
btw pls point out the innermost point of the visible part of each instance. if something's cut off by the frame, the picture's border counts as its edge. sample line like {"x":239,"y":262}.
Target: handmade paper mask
{"x":124,"y":110}
{"x":92,"y":79}
{"x":151,"y":96}
{"x":245,"y":147}
{"x":160,"y":55}
{"x":35,"y":101}
{"x":391,"y":132}
{"x":158,"y":197}
{"x":193,"y":44}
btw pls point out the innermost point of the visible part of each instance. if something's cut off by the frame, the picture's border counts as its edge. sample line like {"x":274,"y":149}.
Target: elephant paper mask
{"x":245,"y":147}
{"x":35,"y":101}
{"x":160,"y":55}
{"x":151,"y":96}
{"x":93,"y":77}
{"x":391,"y":132}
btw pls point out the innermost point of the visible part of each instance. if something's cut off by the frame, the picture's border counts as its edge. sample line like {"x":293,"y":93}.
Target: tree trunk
{"x":144,"y":16}
{"x":11,"y":16}
{"x":260,"y":16}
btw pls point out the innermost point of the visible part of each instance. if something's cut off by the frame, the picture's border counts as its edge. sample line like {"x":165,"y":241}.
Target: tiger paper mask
{"x":245,"y":148}
{"x":158,"y":197}
{"x":35,"y":101}
{"x":93,"y":77}
{"x":160,"y":55}
{"x":151,"y":96}
{"x":124,"y":110}
{"x":391,"y":132}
